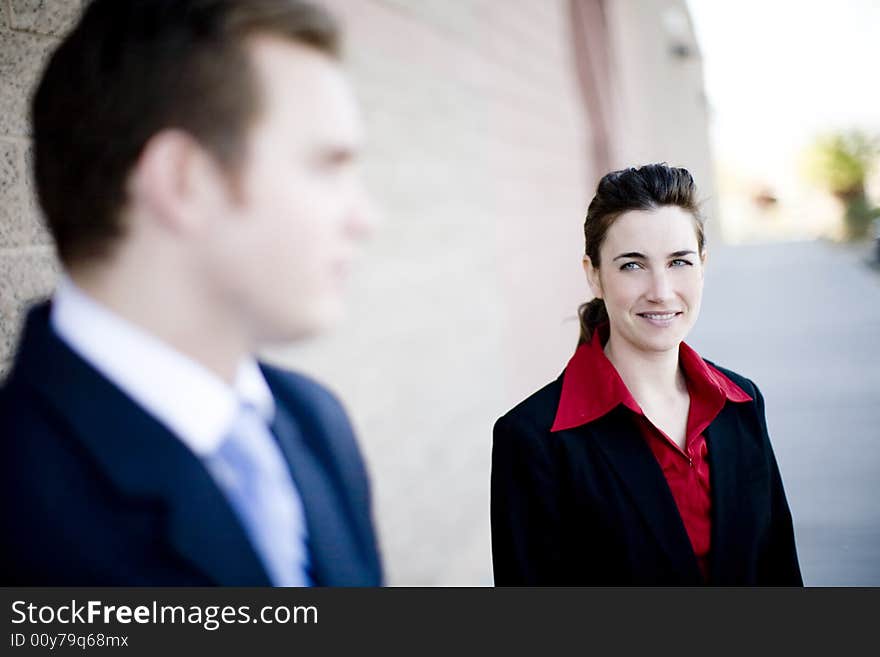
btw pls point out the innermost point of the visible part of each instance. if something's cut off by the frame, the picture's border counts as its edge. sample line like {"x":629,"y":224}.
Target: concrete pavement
{"x":802,"y":320}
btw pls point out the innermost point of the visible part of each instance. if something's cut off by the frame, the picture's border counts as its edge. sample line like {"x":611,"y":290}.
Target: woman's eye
{"x":628,"y":266}
{"x":681,"y":262}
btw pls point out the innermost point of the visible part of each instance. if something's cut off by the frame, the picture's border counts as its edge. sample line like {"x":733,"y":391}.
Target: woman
{"x":642,"y":463}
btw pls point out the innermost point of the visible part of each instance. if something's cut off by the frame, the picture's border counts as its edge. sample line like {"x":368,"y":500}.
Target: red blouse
{"x":591,"y":387}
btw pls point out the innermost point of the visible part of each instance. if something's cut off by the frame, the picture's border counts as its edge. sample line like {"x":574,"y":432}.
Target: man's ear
{"x":593,"y":279}
{"x":172,"y":181}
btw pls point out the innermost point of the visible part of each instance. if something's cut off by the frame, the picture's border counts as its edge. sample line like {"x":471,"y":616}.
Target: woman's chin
{"x":668,"y":341}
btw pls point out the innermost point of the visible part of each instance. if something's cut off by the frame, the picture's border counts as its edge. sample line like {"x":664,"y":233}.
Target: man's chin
{"x":305,"y":327}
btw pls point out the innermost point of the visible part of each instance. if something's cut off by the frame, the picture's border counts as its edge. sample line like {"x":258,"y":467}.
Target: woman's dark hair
{"x":646,"y":188}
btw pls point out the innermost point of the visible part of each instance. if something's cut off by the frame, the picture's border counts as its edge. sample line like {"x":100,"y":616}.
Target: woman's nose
{"x":661,"y":287}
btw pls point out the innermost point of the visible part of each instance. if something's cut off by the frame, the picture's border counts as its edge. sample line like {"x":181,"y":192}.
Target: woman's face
{"x":650,"y":277}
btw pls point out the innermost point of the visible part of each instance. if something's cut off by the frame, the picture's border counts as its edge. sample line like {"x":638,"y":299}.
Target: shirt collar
{"x":190,"y":400}
{"x":591,"y":386}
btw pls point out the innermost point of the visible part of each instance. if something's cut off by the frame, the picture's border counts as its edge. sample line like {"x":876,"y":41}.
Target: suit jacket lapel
{"x":141,"y":457}
{"x":731,"y":458}
{"x":334,"y":556}
{"x":625,"y":449}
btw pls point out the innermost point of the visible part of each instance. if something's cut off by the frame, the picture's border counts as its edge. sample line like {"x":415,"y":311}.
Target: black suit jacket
{"x":96,"y":492}
{"x":590,"y":505}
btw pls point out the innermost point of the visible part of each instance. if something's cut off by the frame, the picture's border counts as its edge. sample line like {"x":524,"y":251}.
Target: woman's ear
{"x":703,"y":257}
{"x":592,"y":277}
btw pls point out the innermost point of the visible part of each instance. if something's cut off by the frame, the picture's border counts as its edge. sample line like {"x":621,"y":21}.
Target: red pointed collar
{"x":591,"y":386}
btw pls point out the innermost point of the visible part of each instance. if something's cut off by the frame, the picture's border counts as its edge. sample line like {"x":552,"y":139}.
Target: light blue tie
{"x":252,"y":472}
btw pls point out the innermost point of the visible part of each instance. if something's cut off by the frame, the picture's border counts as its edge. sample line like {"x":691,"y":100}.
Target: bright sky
{"x":779,"y":71}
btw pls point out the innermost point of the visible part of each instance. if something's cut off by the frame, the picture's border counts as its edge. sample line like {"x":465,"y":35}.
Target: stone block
{"x":49,"y":17}
{"x":22,"y":57}
{"x":21,"y":223}
{"x":11,"y":196}
{"x":39,"y":233}
{"x":25,"y":278}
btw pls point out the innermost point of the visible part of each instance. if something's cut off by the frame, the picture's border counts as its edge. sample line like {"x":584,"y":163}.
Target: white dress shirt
{"x":196,"y":405}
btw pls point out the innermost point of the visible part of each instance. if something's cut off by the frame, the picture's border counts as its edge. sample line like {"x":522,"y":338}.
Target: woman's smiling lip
{"x":660,"y":318}
{"x":659,"y":312}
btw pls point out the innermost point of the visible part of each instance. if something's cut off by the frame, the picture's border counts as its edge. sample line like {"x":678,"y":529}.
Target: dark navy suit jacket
{"x":96,"y":492}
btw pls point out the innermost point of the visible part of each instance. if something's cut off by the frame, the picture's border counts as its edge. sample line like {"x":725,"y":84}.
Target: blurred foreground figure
{"x":196,"y":162}
{"x":642,"y":463}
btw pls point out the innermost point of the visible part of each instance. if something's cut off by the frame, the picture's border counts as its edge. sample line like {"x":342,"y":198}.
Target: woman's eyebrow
{"x":630,"y":254}
{"x":636,"y":254}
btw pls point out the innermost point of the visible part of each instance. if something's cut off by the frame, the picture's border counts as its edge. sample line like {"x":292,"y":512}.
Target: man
{"x":196,"y":162}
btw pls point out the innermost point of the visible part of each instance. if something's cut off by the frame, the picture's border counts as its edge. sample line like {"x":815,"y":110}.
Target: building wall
{"x":29,"y":30}
{"x":464,"y":303}
{"x":663,"y":111}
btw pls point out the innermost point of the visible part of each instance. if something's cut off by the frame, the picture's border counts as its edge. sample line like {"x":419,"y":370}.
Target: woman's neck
{"x":649,"y":376}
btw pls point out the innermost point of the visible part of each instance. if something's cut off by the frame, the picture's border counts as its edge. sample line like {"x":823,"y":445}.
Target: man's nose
{"x":363,"y":216}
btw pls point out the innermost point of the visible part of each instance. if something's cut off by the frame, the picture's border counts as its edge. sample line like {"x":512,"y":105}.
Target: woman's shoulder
{"x":755,"y":406}
{"x":537,"y":411}
{"x":746,"y":384}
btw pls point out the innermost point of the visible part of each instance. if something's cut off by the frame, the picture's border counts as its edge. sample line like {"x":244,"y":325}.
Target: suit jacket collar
{"x":337,"y":550}
{"x":142,"y":459}
{"x":734,"y":462}
{"x":134,"y":360}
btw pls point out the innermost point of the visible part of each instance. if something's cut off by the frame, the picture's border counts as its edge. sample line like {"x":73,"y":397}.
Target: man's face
{"x":286,"y":230}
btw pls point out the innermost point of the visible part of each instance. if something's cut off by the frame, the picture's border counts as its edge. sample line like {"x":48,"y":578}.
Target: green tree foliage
{"x":841,"y":162}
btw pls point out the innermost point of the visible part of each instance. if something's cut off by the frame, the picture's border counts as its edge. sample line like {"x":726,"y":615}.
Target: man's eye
{"x":681,"y":262}
{"x":629,"y":266}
